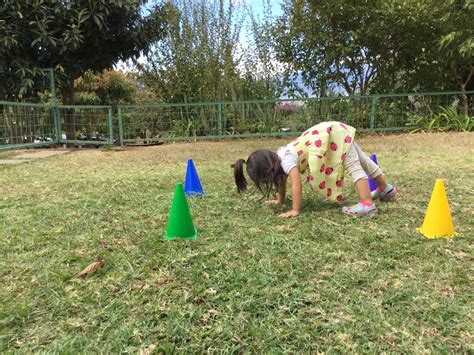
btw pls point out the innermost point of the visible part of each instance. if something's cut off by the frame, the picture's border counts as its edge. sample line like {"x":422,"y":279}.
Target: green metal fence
{"x":26,"y":124}
{"x":278,"y":117}
{"x":85,"y":125}
{"x":34,"y":124}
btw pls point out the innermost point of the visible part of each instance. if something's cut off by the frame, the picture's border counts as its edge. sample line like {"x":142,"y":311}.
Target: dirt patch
{"x":11,"y":161}
{"x":29,"y":156}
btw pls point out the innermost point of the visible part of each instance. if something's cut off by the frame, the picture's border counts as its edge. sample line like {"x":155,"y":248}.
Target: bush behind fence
{"x":23,"y":125}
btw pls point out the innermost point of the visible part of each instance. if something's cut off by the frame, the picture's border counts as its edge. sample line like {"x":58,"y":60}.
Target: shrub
{"x":448,"y":119}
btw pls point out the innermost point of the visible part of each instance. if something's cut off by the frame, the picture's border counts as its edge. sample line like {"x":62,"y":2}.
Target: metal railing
{"x":26,"y":124}
{"x":387,"y":112}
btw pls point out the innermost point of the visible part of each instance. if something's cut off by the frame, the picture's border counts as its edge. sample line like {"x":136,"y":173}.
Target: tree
{"x":16,"y":52}
{"x":75,"y":35}
{"x":328,"y":43}
{"x":377,"y":46}
{"x":111,"y":87}
{"x":202,"y":59}
{"x":196,"y":61}
{"x":432,"y":45}
{"x":260,"y":62}
{"x":456,"y":45}
{"x":407,"y":31}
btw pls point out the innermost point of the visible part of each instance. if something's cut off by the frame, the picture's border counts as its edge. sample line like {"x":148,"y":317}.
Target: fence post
{"x":57,"y":123}
{"x":373,"y":112}
{"x":120,"y":125}
{"x":219,"y":119}
{"x":54,"y":101}
{"x":111,"y":126}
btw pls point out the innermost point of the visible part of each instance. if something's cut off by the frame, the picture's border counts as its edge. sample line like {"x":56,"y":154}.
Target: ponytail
{"x":239,"y":175}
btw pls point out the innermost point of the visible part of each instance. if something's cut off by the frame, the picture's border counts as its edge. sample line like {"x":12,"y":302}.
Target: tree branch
{"x":471,"y":73}
{"x":346,"y":84}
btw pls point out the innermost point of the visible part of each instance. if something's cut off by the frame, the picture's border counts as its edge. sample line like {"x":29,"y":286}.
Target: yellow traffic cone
{"x":438,"y":222}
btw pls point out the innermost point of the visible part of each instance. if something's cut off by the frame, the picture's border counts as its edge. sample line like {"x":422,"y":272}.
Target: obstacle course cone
{"x":192,"y":185}
{"x":372,"y":184}
{"x":438,"y":222}
{"x":180,"y":224}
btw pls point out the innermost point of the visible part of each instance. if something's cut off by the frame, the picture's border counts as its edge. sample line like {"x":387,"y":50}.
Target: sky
{"x":257,"y":6}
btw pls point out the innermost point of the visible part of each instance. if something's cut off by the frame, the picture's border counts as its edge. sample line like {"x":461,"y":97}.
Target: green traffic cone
{"x":180,"y":224}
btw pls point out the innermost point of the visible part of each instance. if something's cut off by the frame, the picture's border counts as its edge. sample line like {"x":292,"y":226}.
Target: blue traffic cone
{"x":372,"y":184}
{"x":192,"y":185}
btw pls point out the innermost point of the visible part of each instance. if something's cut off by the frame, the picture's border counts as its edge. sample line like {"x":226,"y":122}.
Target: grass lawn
{"x":251,"y":282}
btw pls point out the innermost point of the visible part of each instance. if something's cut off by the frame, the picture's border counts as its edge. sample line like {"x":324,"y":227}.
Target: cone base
{"x":194,"y":193}
{"x":433,"y":236}
{"x":372,"y":185}
{"x":169,"y":237}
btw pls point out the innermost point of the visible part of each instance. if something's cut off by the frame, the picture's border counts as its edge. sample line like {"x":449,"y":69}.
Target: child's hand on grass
{"x":292,"y":213}
{"x":272,"y":202}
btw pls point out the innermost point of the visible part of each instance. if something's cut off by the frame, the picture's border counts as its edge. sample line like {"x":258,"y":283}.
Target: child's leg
{"x":354,"y":167}
{"x":372,"y":169}
{"x":384,"y":191}
{"x":363,"y":189}
{"x":352,"y":164}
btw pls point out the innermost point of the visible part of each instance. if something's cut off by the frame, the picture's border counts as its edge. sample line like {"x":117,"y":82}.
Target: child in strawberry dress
{"x":324,"y":152}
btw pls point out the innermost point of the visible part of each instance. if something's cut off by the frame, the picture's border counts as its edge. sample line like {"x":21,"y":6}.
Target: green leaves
{"x":378,"y":46}
{"x":333,"y":50}
{"x":76,"y":35}
{"x":447,"y":119}
{"x":197,"y":61}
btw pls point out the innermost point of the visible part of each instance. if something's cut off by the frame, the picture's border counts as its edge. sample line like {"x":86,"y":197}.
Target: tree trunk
{"x":465,"y":101}
{"x":463,"y":85}
{"x":3,"y":93}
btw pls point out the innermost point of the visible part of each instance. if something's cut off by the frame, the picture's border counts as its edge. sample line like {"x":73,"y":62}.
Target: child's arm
{"x":296,"y":193}
{"x":281,"y":194}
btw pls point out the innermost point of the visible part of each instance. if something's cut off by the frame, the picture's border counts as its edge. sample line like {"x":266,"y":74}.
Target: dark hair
{"x":263,"y":167}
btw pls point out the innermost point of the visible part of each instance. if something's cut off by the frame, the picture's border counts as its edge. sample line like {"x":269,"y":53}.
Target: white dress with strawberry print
{"x":322,"y":149}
